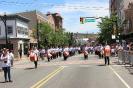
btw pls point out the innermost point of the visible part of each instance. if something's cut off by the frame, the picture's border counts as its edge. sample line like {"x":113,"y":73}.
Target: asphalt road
{"x":73,"y":73}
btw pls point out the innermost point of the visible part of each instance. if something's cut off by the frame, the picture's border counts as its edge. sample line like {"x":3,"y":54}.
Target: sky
{"x":70,"y":10}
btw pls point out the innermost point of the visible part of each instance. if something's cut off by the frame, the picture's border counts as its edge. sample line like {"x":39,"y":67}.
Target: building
{"x":17,"y":33}
{"x":58,"y":21}
{"x":124,"y":10}
{"x":53,"y":19}
{"x":113,"y":6}
{"x":35,"y":18}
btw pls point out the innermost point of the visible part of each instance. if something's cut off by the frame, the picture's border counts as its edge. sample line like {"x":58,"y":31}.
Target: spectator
{"x":6,"y":64}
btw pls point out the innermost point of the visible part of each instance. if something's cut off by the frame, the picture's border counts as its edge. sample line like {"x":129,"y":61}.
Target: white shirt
{"x":36,"y":52}
{"x":66,"y":49}
{"x":42,"y":51}
{"x":5,"y":58}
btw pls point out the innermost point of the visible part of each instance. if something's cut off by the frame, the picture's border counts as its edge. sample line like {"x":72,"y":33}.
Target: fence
{"x":125,"y":57}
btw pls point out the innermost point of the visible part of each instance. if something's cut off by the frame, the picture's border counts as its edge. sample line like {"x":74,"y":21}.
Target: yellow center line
{"x":48,"y":77}
{"x":44,"y":82}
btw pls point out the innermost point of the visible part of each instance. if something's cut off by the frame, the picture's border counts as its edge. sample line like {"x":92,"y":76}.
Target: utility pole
{"x":4,"y":19}
{"x":38,"y":42}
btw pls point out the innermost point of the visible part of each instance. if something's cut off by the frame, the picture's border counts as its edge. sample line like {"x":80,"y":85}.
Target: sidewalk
{"x":21,"y":61}
{"x":124,"y":71}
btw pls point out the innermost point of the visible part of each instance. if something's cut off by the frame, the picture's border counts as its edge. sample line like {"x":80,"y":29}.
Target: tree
{"x":45,"y":32}
{"x":107,"y":29}
{"x":49,"y":38}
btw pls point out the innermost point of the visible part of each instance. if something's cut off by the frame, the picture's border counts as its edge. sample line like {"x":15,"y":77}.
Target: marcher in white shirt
{"x":36,"y":51}
{"x":66,"y":53}
{"x":33,"y":57}
{"x":49,"y":55}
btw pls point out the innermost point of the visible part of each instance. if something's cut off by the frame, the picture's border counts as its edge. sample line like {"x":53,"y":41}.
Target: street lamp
{"x":4,"y":19}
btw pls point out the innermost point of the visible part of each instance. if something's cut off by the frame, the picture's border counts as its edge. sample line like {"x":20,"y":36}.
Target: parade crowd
{"x":34,"y":55}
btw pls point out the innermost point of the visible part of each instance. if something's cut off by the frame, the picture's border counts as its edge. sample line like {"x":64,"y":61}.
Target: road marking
{"x":122,"y":80}
{"x":39,"y":86}
{"x":47,"y":78}
{"x":64,"y":66}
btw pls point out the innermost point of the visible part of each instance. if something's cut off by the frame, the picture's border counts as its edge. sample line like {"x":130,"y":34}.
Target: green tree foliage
{"x":49,"y":38}
{"x":106,"y":29}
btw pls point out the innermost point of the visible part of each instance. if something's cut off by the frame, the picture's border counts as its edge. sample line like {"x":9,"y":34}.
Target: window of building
{"x":22,"y":31}
{"x":9,"y":30}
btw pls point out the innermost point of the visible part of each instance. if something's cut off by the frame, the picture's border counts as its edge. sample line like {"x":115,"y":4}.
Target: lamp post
{"x":4,"y":19}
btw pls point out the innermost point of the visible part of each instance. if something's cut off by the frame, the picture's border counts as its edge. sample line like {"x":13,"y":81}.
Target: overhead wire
{"x":71,"y":6}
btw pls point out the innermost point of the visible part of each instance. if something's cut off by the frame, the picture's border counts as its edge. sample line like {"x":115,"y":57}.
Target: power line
{"x":69,"y":6}
{"x":13,"y":2}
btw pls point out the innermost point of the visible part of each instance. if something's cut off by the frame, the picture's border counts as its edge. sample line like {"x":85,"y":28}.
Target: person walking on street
{"x":42,"y":52}
{"x":12,"y":57}
{"x":33,"y":57}
{"x":20,"y":53}
{"x":6,"y":64}
{"x":107,"y":53}
{"x":86,"y":52}
{"x":66,"y":53}
{"x":49,"y":55}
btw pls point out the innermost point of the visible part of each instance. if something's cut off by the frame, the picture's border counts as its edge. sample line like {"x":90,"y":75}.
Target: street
{"x":73,"y":73}
{"x":32,"y":32}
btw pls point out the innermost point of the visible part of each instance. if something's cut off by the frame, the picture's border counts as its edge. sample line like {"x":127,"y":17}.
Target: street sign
{"x":90,"y":20}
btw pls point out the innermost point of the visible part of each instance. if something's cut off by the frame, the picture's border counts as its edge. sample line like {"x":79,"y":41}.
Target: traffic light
{"x":81,"y":20}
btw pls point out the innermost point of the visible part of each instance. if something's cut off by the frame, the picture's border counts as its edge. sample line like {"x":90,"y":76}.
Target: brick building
{"x":124,"y":10}
{"x":58,"y":21}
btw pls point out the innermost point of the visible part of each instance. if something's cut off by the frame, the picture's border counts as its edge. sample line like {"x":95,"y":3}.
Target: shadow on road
{"x":29,"y":68}
{"x":3,"y":82}
{"x":101,"y":65}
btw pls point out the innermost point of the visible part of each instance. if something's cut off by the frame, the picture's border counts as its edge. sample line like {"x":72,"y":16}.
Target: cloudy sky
{"x":70,"y":10}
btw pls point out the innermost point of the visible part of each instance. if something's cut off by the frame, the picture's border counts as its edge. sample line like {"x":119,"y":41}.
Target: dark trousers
{"x":99,"y":54}
{"x":20,"y":54}
{"x":35,"y":62}
{"x":7,"y":73}
{"x":65,"y":57}
{"x":85,"y":56}
{"x":60,"y":54}
{"x":107,"y":60}
{"x":48,"y":59}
